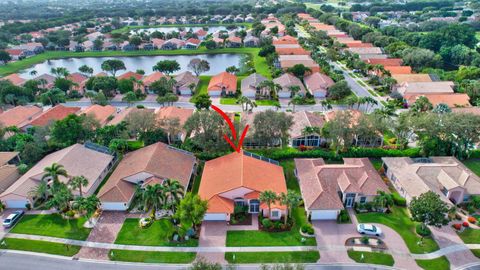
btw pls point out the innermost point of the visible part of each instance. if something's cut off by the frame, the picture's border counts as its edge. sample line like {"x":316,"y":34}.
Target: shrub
{"x":364,"y":240}
{"x":465,"y":224}
{"x":70,"y":213}
{"x":457,"y":226}
{"x":140,"y":106}
{"x":267,"y":223}
{"x":472,"y":220}
{"x":399,"y":200}
{"x":22,"y":168}
{"x":423,"y":230}
{"x":308,"y":229}
{"x":343,"y":216}
{"x":277,"y":224}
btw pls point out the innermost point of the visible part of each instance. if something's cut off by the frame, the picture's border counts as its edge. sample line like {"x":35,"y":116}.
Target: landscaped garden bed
{"x":365,"y":241}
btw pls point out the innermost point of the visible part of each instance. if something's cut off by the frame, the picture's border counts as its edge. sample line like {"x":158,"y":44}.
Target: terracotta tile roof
{"x":358,"y":44}
{"x":151,"y":78}
{"x":15,"y":79}
{"x":174,"y":112}
{"x":443,"y":87}
{"x":101,"y":113}
{"x":19,"y":116}
{"x":235,"y":39}
{"x":158,"y":42}
{"x":77,"y":78}
{"x":399,"y":69}
{"x":385,"y":62}
{"x":15,"y":52}
{"x":402,"y":78}
{"x":319,"y":182}
{"x":304,"y":119}
{"x":201,"y":33}
{"x":355,"y":115}
{"x":237,"y":170}
{"x":452,"y":100}
{"x":53,"y":114}
{"x":157,"y":160}
{"x":130,"y":74}
{"x":322,"y":26}
{"x":77,"y":160}
{"x":295,"y":51}
{"x":223,"y":80}
{"x":318,"y":82}
{"x":285,"y":40}
{"x":194,"y":41}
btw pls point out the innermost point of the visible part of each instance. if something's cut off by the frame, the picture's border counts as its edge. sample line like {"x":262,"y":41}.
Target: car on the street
{"x":369,"y":229}
{"x":12,"y":218}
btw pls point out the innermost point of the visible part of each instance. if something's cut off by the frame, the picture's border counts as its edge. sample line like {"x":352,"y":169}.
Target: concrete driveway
{"x":331,"y":239}
{"x":213,"y":234}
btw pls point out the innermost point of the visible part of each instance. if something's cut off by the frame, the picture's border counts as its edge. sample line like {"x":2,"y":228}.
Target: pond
{"x":166,"y":30}
{"x":218,"y":63}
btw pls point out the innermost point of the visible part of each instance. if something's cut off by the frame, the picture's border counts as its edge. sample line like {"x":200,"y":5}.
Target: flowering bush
{"x":472,"y":220}
{"x":465,"y":224}
{"x":457,"y":226}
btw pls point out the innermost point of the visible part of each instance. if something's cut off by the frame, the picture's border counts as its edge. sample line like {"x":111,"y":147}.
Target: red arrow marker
{"x":237,"y":147}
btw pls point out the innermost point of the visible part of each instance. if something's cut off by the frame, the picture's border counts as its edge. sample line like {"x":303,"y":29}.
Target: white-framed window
{"x":363,"y":199}
{"x":275,"y":214}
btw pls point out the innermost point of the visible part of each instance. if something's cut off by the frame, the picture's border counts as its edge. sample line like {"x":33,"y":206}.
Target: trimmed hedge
{"x":399,"y":200}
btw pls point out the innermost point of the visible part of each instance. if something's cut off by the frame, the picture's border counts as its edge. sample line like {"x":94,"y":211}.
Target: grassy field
{"x":129,"y":28}
{"x":473,"y":164}
{"x":201,"y":87}
{"x":400,"y":221}
{"x":151,"y":256}
{"x":371,"y":257}
{"x":440,"y":263}
{"x":52,"y":225}
{"x":40,"y":247}
{"x":228,"y":101}
{"x":261,"y":65}
{"x":273,"y":257}
{"x":157,"y":234}
{"x":470,"y":236}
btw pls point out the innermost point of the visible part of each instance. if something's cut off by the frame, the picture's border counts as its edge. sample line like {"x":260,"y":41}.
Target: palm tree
{"x":61,"y":197}
{"x":291,"y":200}
{"x":311,"y":130}
{"x":370,"y":101}
{"x":42,"y":82}
{"x":297,"y":99}
{"x":272,"y":87}
{"x":33,"y":73}
{"x":53,"y":172}
{"x":174,"y":192}
{"x":242,"y":100}
{"x":153,"y":198}
{"x":60,"y":72}
{"x":41,"y":192}
{"x":268,"y":197}
{"x":294,"y":89}
{"x":78,"y":182}
{"x":192,"y":87}
{"x":87,"y":205}
{"x":383,"y":200}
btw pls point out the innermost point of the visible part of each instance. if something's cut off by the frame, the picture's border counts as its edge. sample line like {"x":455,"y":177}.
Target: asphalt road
{"x":14,"y":261}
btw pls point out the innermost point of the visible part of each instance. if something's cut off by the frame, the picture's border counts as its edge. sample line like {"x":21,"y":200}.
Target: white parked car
{"x":369,"y":229}
{"x":12,"y":218}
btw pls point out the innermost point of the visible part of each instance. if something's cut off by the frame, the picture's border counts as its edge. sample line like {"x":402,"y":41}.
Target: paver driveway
{"x":213,"y":234}
{"x":331,"y":239}
{"x":105,"y":231}
{"x":445,"y":237}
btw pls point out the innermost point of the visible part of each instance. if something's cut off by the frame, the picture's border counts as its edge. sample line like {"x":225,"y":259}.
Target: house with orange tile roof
{"x":451,"y":100}
{"x":151,"y":78}
{"x":51,"y":115}
{"x":222,"y":84}
{"x":19,"y":116}
{"x":234,"y":42}
{"x":149,"y":165}
{"x":15,"y":79}
{"x":172,"y":113}
{"x":328,"y":188}
{"x":288,"y":61}
{"x":123,"y":114}
{"x":357,"y":44}
{"x":47,"y":81}
{"x":398,"y":69}
{"x":79,"y":80}
{"x":192,"y":43}
{"x":103,"y":114}
{"x":130,"y":75}
{"x":237,"y":179}
{"x":385,"y":62}
{"x":285,"y":40}
{"x":292,"y":49}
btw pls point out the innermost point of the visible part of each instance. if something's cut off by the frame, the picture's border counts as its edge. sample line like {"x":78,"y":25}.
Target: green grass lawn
{"x":371,"y":257}
{"x":400,"y":221}
{"x":228,"y":101}
{"x":157,"y":234}
{"x":52,"y":225}
{"x":440,"y":263}
{"x":476,"y":252}
{"x":470,"y":236}
{"x":273,"y":257}
{"x":151,"y":256}
{"x":473,"y":164}
{"x":201,"y":87}
{"x":289,"y":168}
{"x":267,"y":102}
{"x":377,"y":163}
{"x":40,"y":246}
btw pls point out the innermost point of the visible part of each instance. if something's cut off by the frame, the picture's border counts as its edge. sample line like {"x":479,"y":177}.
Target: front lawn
{"x":273,"y":257}
{"x":202,"y":87}
{"x":40,"y":246}
{"x":400,"y":221}
{"x":476,"y":252}
{"x":470,"y":236}
{"x":440,"y":263}
{"x":228,"y":101}
{"x":267,"y":102}
{"x":158,"y":234}
{"x":473,"y":164}
{"x":151,"y":256}
{"x":371,"y":257}
{"x":52,"y":225}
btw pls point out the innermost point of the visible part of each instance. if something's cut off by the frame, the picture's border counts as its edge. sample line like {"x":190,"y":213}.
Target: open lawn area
{"x":267,"y":102}
{"x":40,"y":246}
{"x":470,"y":236}
{"x":157,"y":234}
{"x":371,"y":257}
{"x":400,"y":221}
{"x":273,"y":257}
{"x":473,"y":164}
{"x":52,"y":225}
{"x":201,"y":87}
{"x":476,"y":252}
{"x":440,"y":263}
{"x":151,"y":256}
{"x":228,"y":101}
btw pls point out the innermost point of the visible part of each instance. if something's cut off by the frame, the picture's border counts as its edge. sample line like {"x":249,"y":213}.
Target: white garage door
{"x":16,"y":203}
{"x":324,"y":215}
{"x":216,"y":216}
{"x":113,"y":206}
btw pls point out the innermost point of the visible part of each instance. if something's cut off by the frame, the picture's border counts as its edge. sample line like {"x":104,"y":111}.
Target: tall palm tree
{"x":78,"y":182}
{"x":297,"y":99}
{"x":33,"y":73}
{"x":174,"y":192}
{"x":268,"y":197}
{"x":272,"y":88}
{"x":294,"y":89}
{"x":41,"y":192}
{"x":60,"y":72}
{"x":153,"y":198}
{"x":87,"y":205}
{"x":291,"y":200}
{"x":53,"y":172}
